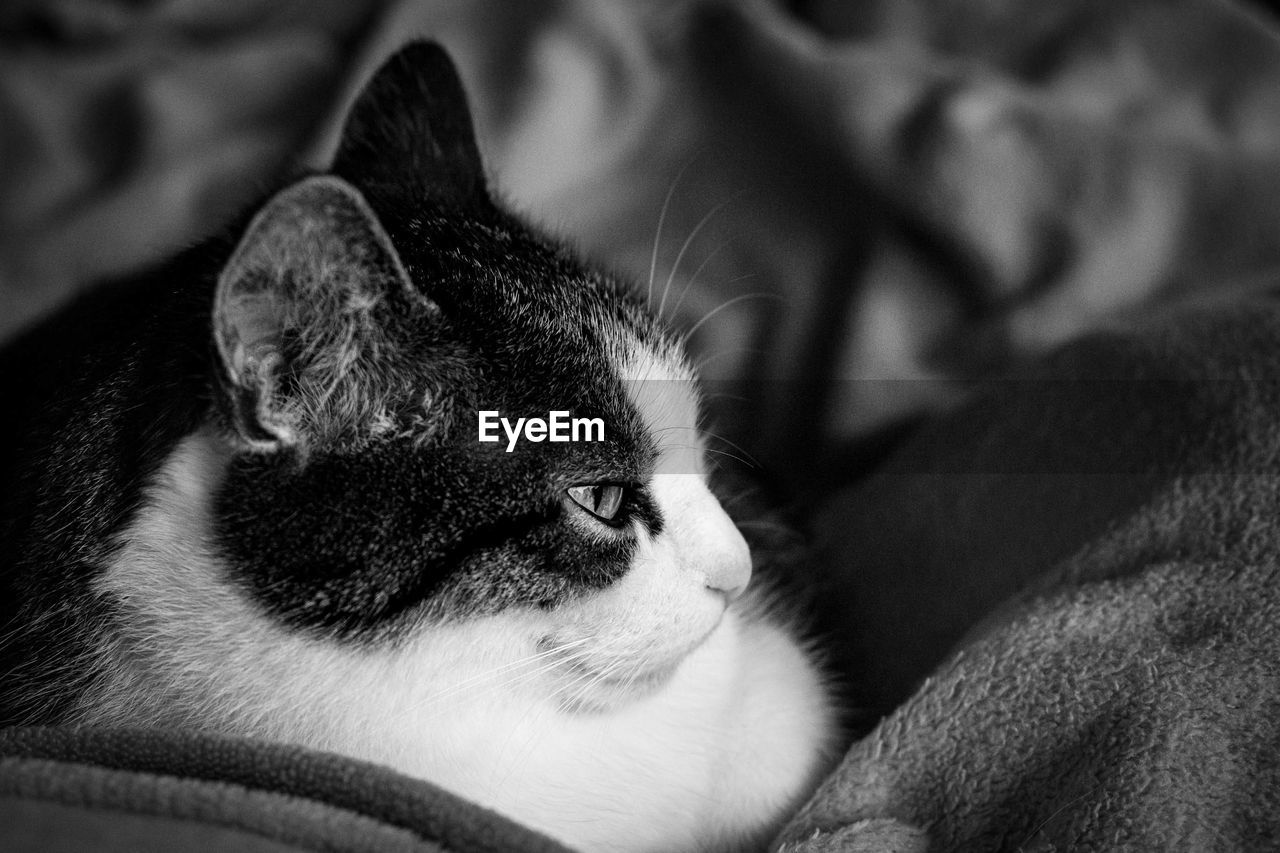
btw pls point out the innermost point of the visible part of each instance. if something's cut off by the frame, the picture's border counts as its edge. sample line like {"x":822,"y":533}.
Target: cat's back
{"x":95,"y":396}
{"x":102,"y":376}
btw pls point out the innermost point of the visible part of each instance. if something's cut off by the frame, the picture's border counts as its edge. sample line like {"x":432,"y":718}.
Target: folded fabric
{"x":1127,"y":697}
{"x":153,"y":790}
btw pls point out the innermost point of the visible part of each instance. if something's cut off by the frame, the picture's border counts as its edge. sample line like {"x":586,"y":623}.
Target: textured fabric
{"x":33,"y":825}
{"x":128,"y":130}
{"x":275,"y":796}
{"x":1127,"y":698}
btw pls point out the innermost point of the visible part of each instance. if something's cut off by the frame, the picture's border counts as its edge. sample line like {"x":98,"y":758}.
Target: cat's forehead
{"x":660,"y":388}
{"x":523,"y":327}
{"x":639,"y":365}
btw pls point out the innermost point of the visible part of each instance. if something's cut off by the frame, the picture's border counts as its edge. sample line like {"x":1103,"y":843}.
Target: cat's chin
{"x":611,"y":693}
{"x":585,"y":685}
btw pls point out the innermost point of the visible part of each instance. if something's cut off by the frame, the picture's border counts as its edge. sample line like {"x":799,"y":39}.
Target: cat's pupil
{"x":601,"y":500}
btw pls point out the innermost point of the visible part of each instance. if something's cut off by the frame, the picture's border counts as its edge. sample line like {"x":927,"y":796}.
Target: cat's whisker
{"x":662,"y":218}
{"x":689,"y":287}
{"x":720,"y":438}
{"x":688,"y":335}
{"x":585,"y":683}
{"x":570,"y":691}
{"x":688,"y":241}
{"x":499,"y":671}
{"x":436,"y":704}
{"x":748,"y":235}
{"x":564,"y":654}
{"x":719,"y":354}
{"x":696,"y":448}
{"x":729,"y":455}
{"x":684,"y":291}
{"x":599,"y":652}
{"x":750,"y":460}
{"x":735,"y":498}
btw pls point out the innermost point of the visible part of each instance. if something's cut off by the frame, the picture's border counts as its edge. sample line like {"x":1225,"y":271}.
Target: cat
{"x":245,"y":493}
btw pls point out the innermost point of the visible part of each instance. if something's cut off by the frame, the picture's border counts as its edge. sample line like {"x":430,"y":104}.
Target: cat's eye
{"x":603,"y":500}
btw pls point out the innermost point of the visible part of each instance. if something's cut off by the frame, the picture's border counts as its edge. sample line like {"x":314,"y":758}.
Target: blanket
{"x":1106,"y":527}
{"x":154,"y":790}
{"x":980,"y":288}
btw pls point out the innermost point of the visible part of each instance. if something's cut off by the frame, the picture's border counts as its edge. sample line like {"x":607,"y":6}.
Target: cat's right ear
{"x":302,"y":312}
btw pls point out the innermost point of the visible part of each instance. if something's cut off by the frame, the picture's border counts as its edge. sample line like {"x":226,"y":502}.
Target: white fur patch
{"x":647,"y":716}
{"x":665,"y":394}
{"x":699,"y":534}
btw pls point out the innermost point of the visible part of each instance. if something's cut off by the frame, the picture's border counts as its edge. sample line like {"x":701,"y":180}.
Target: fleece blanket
{"x":158,"y":791}
{"x":1045,"y":231}
{"x":1120,"y":498}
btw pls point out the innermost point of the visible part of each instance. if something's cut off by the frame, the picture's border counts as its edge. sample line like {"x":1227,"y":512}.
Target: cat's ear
{"x":409,"y":136}
{"x":301,"y":314}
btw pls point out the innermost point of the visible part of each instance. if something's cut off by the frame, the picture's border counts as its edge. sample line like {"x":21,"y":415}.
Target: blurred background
{"x":854,"y":209}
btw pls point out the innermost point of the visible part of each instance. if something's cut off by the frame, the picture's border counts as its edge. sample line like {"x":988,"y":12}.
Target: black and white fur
{"x":244,"y":493}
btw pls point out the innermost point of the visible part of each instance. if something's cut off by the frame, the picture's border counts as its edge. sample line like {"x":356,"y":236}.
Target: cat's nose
{"x":728,"y":566}
{"x":730,"y":572}
{"x":705,"y":540}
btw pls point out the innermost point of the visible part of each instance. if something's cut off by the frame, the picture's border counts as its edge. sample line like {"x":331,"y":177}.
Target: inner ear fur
{"x":302,"y":312}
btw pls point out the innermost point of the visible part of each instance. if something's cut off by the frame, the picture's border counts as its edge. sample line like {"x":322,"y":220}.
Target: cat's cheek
{"x":667,"y":591}
{"x":642,"y":627}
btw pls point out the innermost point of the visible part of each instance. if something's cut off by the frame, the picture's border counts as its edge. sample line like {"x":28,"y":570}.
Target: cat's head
{"x":367,"y":321}
{"x":334,"y":557}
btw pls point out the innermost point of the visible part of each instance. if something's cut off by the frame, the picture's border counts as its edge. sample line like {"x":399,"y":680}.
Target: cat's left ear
{"x":409,"y":136}
{"x":302,"y":312}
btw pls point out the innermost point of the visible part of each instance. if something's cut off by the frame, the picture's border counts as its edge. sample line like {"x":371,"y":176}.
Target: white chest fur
{"x":716,"y":753}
